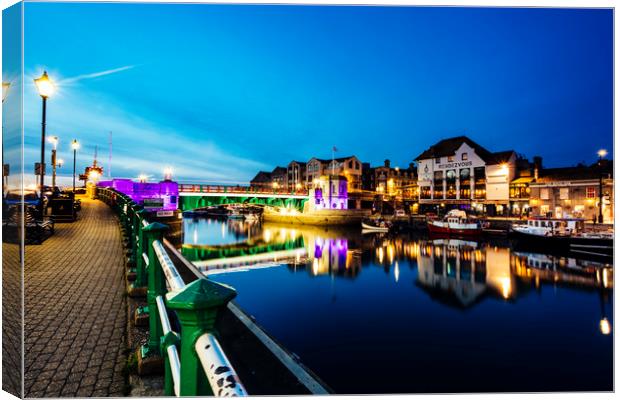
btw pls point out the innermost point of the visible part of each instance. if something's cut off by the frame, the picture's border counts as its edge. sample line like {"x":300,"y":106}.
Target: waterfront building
{"x":573,"y":192}
{"x":279,"y":179}
{"x":262,"y":181}
{"x":349,"y":167}
{"x":460,"y":173}
{"x":391,"y":181}
{"x":163,"y":195}
{"x":330,"y":193}
{"x":296,"y":175}
{"x":520,"y":185}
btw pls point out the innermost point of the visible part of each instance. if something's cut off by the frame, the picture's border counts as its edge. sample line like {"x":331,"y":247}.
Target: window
{"x":438,"y":160}
{"x":464,"y":157}
{"x":564,"y":194}
{"x":544,"y":193}
{"x":590,"y":192}
{"x":480,"y":174}
{"x":350,"y":163}
{"x":450,"y":158}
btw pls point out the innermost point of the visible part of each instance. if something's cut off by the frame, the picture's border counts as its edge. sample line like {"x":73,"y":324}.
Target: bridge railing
{"x":191,"y":188}
{"x":194,"y":362}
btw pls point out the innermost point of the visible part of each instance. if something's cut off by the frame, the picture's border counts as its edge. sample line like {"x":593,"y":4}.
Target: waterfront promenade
{"x":75,"y":322}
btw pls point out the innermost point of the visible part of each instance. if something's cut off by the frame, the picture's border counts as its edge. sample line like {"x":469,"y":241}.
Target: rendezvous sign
{"x":455,"y":165}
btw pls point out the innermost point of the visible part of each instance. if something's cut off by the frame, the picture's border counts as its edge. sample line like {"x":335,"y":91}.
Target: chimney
{"x":537,"y":166}
{"x":387,"y":163}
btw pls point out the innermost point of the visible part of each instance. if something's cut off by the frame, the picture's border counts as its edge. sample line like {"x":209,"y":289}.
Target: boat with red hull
{"x":455,"y":223}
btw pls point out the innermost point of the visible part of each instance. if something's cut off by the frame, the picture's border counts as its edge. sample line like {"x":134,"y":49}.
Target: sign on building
{"x":153,"y":202}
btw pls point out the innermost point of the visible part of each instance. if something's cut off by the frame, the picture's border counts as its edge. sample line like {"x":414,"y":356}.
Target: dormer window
{"x":450,"y":158}
{"x":438,"y":160}
{"x":464,"y":157}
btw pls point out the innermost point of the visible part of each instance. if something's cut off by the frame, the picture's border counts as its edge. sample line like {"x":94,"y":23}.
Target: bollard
{"x":134,"y":227}
{"x":197,"y":307}
{"x":156,"y":285}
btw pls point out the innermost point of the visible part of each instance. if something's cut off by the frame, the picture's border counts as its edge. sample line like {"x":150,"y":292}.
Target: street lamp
{"x":54,"y":141}
{"x":45,"y":88}
{"x":601,"y":154}
{"x":74,"y":146}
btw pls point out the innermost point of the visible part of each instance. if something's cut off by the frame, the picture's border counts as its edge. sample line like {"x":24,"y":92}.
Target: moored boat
{"x":456,"y":223}
{"x":563,"y":235}
{"x":376,"y":225}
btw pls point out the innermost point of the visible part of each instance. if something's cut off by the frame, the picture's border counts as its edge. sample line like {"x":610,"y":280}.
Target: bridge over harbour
{"x":193,"y":197}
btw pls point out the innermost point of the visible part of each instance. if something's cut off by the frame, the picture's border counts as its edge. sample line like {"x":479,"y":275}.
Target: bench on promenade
{"x":35,"y":227}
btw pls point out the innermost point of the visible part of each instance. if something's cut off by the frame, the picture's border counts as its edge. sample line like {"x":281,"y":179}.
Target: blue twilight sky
{"x":221,"y":91}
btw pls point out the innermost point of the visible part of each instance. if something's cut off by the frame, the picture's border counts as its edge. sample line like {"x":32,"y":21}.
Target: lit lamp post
{"x":74,"y":146}
{"x":45,"y":88}
{"x":54,"y":141}
{"x":601,"y":154}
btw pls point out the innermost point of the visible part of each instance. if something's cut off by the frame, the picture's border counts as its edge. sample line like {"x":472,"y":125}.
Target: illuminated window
{"x":590,"y":192}
{"x":544,"y":193}
{"x":464,"y":157}
{"x":450,"y":158}
{"x":564,"y":194}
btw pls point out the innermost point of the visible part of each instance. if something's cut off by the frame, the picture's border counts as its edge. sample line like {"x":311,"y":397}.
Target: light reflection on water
{"x":532,"y":314}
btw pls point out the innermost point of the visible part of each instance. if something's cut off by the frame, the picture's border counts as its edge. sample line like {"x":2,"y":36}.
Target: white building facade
{"x":460,"y":172}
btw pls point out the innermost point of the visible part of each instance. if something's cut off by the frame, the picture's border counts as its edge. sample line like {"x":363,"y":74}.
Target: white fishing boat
{"x":376,"y":225}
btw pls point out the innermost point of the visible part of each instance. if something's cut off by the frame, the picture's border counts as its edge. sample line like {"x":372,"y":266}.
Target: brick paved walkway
{"x":75,"y":321}
{"x":11,"y":319}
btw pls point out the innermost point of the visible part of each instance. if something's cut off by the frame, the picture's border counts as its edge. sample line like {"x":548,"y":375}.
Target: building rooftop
{"x":339,"y":159}
{"x":447,"y":147}
{"x":580,"y":172}
{"x":261,"y":176}
{"x":279,"y":171}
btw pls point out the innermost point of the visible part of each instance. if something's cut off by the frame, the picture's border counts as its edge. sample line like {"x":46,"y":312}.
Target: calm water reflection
{"x":376,"y":313}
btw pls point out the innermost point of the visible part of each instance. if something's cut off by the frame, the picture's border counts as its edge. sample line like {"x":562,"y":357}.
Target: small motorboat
{"x":457,"y":223}
{"x":376,"y":225}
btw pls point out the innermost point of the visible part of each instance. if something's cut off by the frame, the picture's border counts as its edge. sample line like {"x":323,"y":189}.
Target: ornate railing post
{"x":197,"y":308}
{"x":156,"y":286}
{"x":138,"y":287}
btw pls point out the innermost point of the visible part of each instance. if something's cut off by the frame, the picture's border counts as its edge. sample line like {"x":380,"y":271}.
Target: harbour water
{"x":380,"y":313}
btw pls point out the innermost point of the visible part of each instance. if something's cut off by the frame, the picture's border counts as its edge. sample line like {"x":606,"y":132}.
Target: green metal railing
{"x":194,"y":363}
